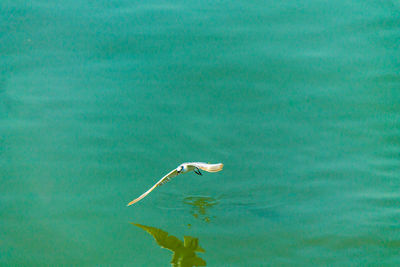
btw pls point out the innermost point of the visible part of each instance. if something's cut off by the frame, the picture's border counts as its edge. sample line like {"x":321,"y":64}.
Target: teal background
{"x":299,"y":100}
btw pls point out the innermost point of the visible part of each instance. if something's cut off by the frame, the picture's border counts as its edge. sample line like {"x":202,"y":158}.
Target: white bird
{"x":183,"y":168}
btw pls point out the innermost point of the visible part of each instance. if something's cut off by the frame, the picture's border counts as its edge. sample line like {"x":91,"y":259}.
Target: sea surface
{"x":299,"y":99}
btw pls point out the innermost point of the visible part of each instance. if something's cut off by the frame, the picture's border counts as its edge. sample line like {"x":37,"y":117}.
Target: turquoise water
{"x":299,"y":100}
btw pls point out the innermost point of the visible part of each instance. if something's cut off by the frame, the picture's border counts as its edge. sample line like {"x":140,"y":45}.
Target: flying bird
{"x":181,"y":169}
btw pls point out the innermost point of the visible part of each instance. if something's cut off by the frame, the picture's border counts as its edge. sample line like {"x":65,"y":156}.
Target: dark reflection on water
{"x":200,"y":206}
{"x":184,"y":253}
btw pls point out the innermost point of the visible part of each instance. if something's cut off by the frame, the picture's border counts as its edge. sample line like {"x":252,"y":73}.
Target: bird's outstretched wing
{"x":162,"y":181}
{"x":207,"y":167}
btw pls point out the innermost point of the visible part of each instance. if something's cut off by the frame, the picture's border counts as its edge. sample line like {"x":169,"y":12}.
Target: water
{"x":299,"y":100}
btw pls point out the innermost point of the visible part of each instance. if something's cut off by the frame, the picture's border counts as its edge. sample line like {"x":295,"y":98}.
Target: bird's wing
{"x":162,"y":181}
{"x":207,"y":167}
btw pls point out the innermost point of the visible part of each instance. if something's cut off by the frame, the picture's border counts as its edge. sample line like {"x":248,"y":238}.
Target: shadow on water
{"x":184,"y":252}
{"x":200,"y":206}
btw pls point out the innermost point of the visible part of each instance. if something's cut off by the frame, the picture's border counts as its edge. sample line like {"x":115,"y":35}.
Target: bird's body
{"x":181,"y":169}
{"x":186,"y":167}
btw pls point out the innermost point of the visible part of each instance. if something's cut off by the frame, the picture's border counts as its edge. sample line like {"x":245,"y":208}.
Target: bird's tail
{"x":213,"y":167}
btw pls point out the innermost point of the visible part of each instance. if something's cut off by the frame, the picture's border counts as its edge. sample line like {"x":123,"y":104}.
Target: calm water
{"x":299,"y":100}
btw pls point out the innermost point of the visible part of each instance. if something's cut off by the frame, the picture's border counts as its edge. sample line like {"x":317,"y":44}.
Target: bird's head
{"x":180,"y":168}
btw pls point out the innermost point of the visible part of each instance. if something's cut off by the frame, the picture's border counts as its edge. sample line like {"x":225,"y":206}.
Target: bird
{"x":181,"y":169}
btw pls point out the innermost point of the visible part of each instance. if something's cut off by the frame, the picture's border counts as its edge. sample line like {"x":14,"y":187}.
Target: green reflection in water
{"x":184,"y":252}
{"x":200,"y":206}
